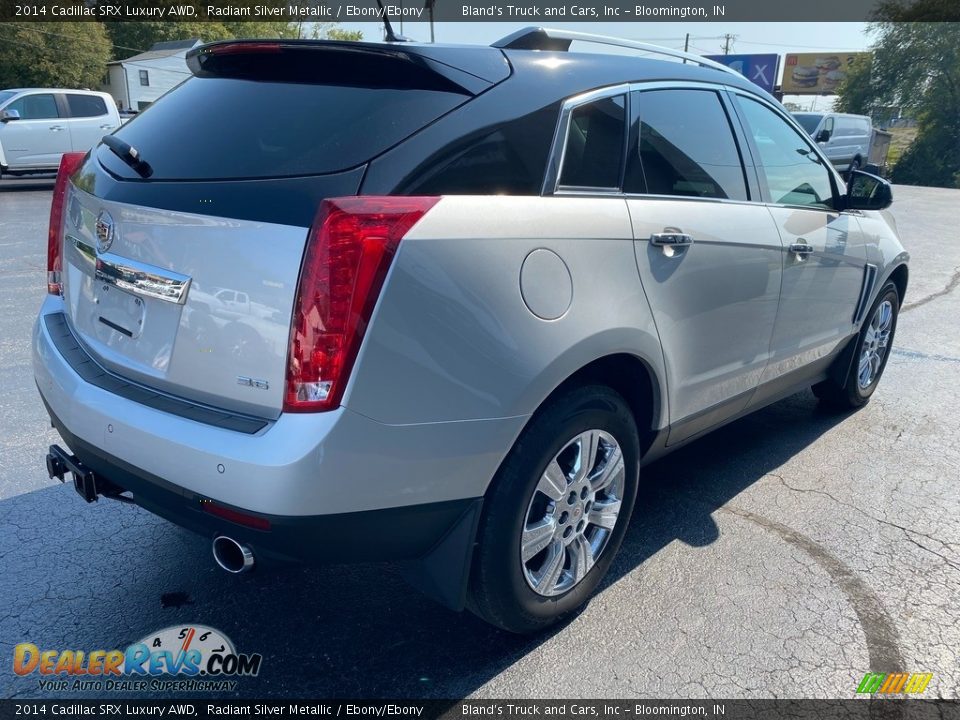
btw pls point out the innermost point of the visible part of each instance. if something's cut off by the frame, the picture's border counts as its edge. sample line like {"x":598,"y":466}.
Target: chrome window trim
{"x":551,"y":183}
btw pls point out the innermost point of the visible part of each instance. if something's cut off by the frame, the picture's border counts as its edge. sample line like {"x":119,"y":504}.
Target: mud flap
{"x":443,"y":574}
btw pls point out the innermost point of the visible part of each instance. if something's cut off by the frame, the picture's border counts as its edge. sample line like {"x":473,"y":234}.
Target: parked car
{"x":39,"y":125}
{"x":503,"y":278}
{"x":845,"y":139}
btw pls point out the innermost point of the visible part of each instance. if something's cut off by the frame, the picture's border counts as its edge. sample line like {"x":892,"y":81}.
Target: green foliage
{"x":333,"y":31}
{"x":53,"y":54}
{"x":916,"y":66}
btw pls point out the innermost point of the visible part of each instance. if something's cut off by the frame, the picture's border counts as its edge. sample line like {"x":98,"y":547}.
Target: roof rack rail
{"x":538,"y":38}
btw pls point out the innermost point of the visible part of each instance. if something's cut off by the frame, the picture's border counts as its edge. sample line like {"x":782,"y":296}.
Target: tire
{"x":857,"y":389}
{"x":502,"y":588}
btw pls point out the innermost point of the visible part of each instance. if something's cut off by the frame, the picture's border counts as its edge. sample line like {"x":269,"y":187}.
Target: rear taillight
{"x":69,"y":164}
{"x":349,"y":250}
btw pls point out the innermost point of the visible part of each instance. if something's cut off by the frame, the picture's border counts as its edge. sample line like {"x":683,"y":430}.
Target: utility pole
{"x":686,"y":44}
{"x":727,"y":39}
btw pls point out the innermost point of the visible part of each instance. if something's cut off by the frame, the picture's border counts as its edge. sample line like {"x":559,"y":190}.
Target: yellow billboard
{"x":816,"y":73}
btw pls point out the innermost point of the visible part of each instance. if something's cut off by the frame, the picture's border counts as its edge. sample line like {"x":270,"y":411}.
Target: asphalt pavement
{"x":783,"y":556}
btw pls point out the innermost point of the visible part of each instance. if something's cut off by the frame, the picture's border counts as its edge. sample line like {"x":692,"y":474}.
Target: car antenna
{"x":391,"y":36}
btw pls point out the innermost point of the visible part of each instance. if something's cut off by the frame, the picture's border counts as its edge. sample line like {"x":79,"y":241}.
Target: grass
{"x":902,"y":137}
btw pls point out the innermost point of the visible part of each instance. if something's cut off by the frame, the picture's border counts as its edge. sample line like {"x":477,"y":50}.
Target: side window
{"x":35,"y":107}
{"x":685,"y":147}
{"x":794,"y":172}
{"x":86,"y":105}
{"x":828,"y":125}
{"x":593,"y":154}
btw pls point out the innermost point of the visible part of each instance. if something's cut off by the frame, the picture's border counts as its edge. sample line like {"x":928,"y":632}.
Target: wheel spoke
{"x":604,"y":514}
{"x":884,"y":316}
{"x":553,"y":483}
{"x":581,"y":558}
{"x":863,"y":373}
{"x":611,"y":472}
{"x":536,"y":538}
{"x":546,"y":579}
{"x":588,"y":444}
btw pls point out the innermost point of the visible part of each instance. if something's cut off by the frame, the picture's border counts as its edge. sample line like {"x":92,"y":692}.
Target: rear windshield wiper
{"x":129,"y":154}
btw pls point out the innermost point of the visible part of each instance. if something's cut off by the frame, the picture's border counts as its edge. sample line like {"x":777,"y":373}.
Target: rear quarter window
{"x":230,"y":128}
{"x":86,"y":105}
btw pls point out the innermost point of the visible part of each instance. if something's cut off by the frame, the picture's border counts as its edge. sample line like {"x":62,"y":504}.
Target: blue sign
{"x":758,"y":69}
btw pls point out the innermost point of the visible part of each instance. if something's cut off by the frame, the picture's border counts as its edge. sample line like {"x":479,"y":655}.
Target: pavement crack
{"x":909,"y":533}
{"x":949,"y":288}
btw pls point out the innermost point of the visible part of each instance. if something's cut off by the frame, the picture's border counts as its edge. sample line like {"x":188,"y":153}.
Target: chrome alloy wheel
{"x":572,"y":513}
{"x":875,"y":341}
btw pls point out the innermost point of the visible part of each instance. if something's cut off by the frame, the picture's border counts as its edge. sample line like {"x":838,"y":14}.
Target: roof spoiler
{"x":337,"y":62}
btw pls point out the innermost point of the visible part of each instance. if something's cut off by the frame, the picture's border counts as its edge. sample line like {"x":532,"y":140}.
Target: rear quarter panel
{"x":452,"y":338}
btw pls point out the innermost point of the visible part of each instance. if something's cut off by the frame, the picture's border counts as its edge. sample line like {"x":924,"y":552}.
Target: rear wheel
{"x":557,"y":511}
{"x":870,"y":355}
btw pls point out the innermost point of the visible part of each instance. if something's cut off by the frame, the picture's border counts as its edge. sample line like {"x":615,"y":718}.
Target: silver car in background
{"x":445,"y":307}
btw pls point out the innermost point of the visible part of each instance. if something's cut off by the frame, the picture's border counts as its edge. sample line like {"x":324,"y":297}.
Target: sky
{"x":706,"y":38}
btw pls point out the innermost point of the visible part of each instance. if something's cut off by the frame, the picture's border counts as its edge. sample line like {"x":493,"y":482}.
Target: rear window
{"x":86,"y":105}
{"x":229,"y":128}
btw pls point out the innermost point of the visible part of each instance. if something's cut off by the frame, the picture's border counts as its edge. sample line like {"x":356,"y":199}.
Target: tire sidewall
{"x":584,"y":409}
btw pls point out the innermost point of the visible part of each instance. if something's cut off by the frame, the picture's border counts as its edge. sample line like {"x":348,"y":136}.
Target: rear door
{"x":825,"y":254}
{"x":39,"y":137}
{"x":709,"y":256}
{"x":90,"y":119}
{"x":184,"y":281}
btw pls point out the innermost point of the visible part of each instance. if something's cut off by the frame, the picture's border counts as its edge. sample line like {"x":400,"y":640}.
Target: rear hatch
{"x":181,"y":258}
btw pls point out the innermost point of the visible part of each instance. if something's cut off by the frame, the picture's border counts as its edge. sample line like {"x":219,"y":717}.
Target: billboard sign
{"x":759,"y":69}
{"x":816,"y":73}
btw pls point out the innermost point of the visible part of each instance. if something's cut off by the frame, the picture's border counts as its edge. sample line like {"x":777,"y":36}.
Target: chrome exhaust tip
{"x":232,"y":556}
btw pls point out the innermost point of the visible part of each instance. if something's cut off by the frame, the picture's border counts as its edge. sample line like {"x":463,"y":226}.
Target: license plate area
{"x":119,"y":311}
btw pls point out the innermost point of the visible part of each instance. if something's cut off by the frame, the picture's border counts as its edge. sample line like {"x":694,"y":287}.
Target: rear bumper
{"x":335,"y":486}
{"x":403,"y":533}
{"x":298,"y":465}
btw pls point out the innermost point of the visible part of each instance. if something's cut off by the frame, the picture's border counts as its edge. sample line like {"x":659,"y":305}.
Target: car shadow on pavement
{"x":104,"y":576}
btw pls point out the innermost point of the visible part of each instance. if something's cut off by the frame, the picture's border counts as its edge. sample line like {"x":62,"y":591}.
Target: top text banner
{"x":536,"y":12}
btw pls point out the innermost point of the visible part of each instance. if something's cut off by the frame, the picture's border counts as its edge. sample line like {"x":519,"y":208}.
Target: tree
{"x":917,"y":67}
{"x":333,"y":31}
{"x":53,"y":54}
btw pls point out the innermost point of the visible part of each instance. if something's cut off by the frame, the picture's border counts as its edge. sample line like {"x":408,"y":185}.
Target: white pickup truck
{"x":39,"y":125}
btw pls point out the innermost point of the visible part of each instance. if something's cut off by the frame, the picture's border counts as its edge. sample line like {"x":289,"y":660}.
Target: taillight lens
{"x":349,"y":250}
{"x":69,"y":164}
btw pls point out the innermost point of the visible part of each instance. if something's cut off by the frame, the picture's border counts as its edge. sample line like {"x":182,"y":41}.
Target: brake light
{"x":349,"y":250}
{"x":69,"y":164}
{"x":244,"y":47}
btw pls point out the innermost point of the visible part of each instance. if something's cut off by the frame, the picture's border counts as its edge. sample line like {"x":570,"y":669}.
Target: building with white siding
{"x":139,"y":80}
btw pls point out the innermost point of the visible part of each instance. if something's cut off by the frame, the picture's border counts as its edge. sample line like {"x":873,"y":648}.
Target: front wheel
{"x":557,"y":511}
{"x":870,"y":355}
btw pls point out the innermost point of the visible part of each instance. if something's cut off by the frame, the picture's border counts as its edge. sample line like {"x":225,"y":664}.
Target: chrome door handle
{"x":56,"y":128}
{"x":671,"y":239}
{"x":801,"y":249}
{"x":106,"y":127}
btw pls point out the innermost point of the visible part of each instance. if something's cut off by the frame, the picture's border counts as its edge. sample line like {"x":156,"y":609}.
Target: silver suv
{"x":444,"y":303}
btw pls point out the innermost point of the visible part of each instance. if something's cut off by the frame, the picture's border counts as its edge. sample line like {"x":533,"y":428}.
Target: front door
{"x":824,"y":252}
{"x":39,"y":137}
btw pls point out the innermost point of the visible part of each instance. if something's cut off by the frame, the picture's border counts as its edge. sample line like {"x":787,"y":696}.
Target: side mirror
{"x":867,"y":192}
{"x":8,"y":115}
{"x":823,"y":136}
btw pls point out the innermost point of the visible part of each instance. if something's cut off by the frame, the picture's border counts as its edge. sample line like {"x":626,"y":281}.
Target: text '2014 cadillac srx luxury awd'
{"x":440,"y":304}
